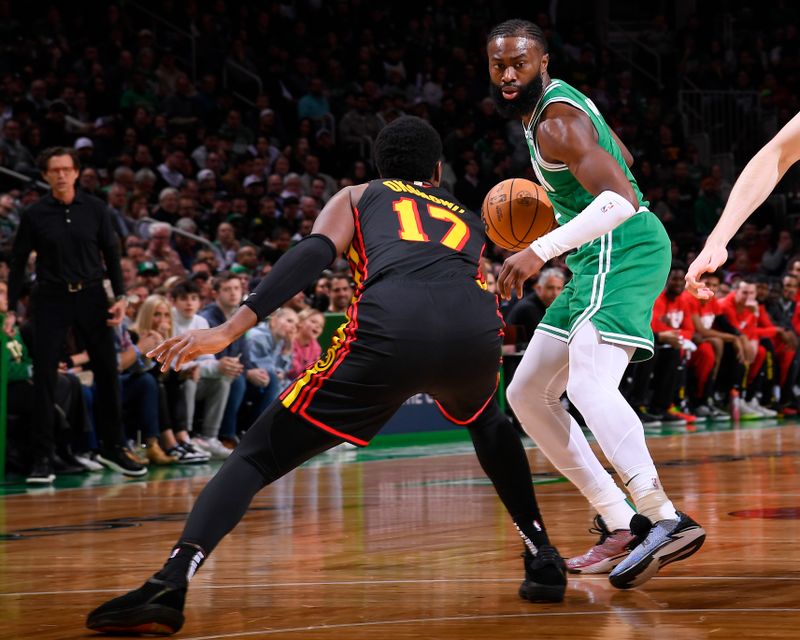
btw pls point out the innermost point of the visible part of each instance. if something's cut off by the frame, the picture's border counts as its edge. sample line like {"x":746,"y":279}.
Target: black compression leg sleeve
{"x":277,"y":442}
{"x":503,"y":459}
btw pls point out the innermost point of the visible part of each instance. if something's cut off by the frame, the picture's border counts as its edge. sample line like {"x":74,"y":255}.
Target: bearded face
{"x":514,"y":99}
{"x":517,"y":73}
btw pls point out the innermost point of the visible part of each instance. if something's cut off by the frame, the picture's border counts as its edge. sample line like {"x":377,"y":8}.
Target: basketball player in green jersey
{"x":600,"y":322}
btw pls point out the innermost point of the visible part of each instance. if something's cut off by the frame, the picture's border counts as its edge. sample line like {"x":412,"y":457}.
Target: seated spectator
{"x":312,"y":172}
{"x":321,"y":293}
{"x":169,"y":171}
{"x":159,"y":248}
{"x":226,"y":244}
{"x":785,"y":313}
{"x":247,"y":258}
{"x":227,"y":295}
{"x":740,"y":308}
{"x":471,"y":189}
{"x":9,"y":220}
{"x":211,"y":379}
{"x":149,"y":275}
{"x":128,"y":272}
{"x":16,"y":155}
{"x":71,"y":413}
{"x":168,"y":205}
{"x":271,"y":350}
{"x":774,"y":261}
{"x":341,"y":294}
{"x":186,"y":246}
{"x":655,"y":381}
{"x":314,"y":105}
{"x":140,"y":397}
{"x":713,"y":336}
{"x":155,"y":316}
{"x":528,"y":312}
{"x":201,"y":276}
{"x":780,"y":343}
{"x":306,"y":349}
{"x":297,"y":302}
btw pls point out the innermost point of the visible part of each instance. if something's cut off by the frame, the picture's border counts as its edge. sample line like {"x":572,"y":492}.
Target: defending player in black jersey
{"x":419,"y":321}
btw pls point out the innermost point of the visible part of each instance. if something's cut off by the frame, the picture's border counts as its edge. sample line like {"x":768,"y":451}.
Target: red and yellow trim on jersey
{"x":298,"y":396}
{"x":480,"y":279}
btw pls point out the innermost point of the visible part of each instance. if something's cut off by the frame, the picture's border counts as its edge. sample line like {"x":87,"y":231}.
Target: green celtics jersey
{"x":569,"y":198}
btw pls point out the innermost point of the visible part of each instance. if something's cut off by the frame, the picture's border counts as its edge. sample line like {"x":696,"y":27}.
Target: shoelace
{"x":547,"y":555}
{"x":600,"y":529}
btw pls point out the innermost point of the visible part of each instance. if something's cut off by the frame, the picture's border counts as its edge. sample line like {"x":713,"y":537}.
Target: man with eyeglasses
{"x":73,"y":236}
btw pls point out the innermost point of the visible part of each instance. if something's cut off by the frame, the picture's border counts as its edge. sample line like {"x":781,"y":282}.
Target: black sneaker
{"x":154,"y":608}
{"x":121,"y":460}
{"x":671,"y":420}
{"x":65,"y":465}
{"x":188,"y":454}
{"x":545,"y":576}
{"x":647,"y":419}
{"x":42,"y":472}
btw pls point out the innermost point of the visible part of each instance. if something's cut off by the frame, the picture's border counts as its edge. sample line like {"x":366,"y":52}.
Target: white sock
{"x":649,"y":497}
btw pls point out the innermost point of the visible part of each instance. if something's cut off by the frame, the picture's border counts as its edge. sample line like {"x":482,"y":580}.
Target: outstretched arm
{"x":331,"y":236}
{"x":568,"y":136}
{"x":755,"y":183}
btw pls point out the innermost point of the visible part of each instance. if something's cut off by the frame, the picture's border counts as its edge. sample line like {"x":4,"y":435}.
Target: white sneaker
{"x":187,"y":454}
{"x":88,"y":462}
{"x":767,"y":413}
{"x":749,"y":411}
{"x":200,"y":443}
{"x":217,"y":450}
{"x":717,"y":414}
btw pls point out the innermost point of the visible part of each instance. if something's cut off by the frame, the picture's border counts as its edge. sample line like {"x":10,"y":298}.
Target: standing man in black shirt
{"x":73,"y":236}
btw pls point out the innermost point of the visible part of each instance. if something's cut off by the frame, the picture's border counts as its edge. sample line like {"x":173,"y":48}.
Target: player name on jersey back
{"x":401,"y":187}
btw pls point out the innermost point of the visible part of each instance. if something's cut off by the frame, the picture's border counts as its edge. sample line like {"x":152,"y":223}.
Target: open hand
{"x":179,"y":350}
{"x":516,"y":270}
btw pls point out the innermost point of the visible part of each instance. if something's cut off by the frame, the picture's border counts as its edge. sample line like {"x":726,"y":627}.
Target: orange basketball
{"x":516,"y":212}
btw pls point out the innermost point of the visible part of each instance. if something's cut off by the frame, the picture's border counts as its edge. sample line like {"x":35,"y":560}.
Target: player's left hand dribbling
{"x":516,"y":270}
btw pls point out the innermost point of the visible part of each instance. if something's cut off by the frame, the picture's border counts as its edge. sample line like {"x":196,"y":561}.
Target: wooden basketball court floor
{"x":411,"y":542}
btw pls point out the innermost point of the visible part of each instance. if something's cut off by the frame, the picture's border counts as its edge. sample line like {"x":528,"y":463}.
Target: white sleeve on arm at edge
{"x":606,"y":212}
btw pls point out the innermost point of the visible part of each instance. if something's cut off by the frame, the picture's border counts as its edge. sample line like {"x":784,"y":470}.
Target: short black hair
{"x":517,"y":28}
{"x":51,"y":152}
{"x":183,"y":289}
{"x":408,"y":148}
